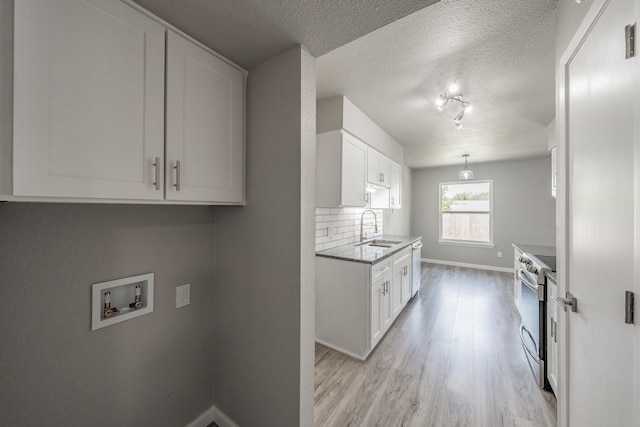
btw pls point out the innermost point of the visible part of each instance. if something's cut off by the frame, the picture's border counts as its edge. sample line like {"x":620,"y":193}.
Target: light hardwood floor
{"x":452,"y":358}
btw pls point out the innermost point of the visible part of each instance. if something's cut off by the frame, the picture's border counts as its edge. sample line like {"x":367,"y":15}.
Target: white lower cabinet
{"x":552,"y":336}
{"x":356,"y":303}
{"x":401,"y":284}
{"x":517,"y":292}
{"x":381,"y":318}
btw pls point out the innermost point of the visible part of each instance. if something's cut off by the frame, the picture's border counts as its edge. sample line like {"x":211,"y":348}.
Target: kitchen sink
{"x":379,"y":243}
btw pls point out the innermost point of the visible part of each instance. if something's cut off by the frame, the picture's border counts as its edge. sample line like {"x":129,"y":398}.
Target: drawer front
{"x":380,"y":269}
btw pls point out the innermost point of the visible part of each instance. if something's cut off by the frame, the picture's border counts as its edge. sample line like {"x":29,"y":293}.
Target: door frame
{"x":563,"y":214}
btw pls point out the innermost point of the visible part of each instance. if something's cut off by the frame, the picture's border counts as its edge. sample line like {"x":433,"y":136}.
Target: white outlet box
{"x":183,"y":295}
{"x":499,"y":254}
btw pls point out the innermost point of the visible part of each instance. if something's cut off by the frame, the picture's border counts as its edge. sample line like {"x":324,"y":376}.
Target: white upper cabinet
{"x":88,"y":100}
{"x":395,"y":192}
{"x":91,"y":118}
{"x":341,"y":168}
{"x":204,"y":125}
{"x":378,"y":168}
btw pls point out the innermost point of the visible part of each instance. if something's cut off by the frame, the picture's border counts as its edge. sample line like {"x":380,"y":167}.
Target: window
{"x":465,"y":213}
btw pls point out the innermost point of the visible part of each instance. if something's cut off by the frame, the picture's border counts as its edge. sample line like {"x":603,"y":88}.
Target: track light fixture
{"x":445,"y":98}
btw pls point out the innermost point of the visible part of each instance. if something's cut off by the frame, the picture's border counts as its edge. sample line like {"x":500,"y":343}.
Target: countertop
{"x":368,"y":254}
{"x":552,"y":276}
{"x":535,"y":249}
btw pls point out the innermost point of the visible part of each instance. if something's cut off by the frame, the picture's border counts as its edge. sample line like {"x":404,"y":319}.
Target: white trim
{"x":341,"y":350}
{"x":440,"y":211}
{"x":467,"y":243}
{"x":464,"y":264}
{"x":213,"y":414}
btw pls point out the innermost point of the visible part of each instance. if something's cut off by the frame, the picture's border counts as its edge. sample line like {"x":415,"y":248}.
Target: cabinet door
{"x":386,"y":316}
{"x":406,"y":282}
{"x":552,"y":337}
{"x":354,"y":166}
{"x":88,"y":100}
{"x":396,"y":291}
{"x":377,"y":168}
{"x":205,"y":138}
{"x":395,"y":182}
{"x":376,"y":327}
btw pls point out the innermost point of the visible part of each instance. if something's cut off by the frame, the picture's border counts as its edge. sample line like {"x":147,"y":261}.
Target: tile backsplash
{"x":341,"y":226}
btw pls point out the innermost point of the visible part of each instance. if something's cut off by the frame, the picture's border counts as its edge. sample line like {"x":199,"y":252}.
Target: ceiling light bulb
{"x":454,"y":87}
{"x":465,"y":173}
{"x":468,"y":108}
{"x":440,"y":101}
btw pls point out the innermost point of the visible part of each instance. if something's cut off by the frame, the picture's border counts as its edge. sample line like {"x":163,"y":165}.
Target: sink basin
{"x":385,"y":242}
{"x":379,"y":243}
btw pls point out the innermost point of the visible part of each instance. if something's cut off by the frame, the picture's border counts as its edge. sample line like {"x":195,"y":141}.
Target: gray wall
{"x":523,"y":210}
{"x":263,"y":276}
{"x":156,"y":369}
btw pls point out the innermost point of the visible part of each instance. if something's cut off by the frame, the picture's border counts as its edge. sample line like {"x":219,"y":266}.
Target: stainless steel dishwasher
{"x":417,"y":254}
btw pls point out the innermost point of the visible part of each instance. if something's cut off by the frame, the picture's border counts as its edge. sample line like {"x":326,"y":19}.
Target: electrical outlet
{"x":183,"y":295}
{"x":499,"y":254}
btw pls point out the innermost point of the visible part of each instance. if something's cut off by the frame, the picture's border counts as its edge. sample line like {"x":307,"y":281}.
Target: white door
{"x":600,"y":127}
{"x":88,"y":100}
{"x":354,"y":169}
{"x":205,"y":151}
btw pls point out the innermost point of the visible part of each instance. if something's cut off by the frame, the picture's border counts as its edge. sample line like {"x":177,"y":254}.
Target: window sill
{"x":466,"y":243}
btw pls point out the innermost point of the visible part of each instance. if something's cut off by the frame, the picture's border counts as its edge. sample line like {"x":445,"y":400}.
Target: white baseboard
{"x":463,"y":264}
{"x":213,"y":414}
{"x":341,"y":350}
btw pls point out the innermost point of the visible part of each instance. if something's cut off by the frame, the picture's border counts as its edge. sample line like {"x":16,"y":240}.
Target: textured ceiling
{"x":502,"y":54}
{"x":393,"y":58}
{"x":249,"y":32}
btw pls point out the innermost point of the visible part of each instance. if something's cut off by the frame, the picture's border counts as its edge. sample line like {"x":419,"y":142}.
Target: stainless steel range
{"x":533,"y":311}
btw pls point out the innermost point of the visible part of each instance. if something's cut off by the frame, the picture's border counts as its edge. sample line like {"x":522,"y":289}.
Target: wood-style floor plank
{"x":452,"y":358}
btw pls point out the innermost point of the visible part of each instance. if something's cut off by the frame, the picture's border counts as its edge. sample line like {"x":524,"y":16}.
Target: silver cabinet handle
{"x":393,"y":200}
{"x":554,"y":330}
{"x":156,"y":165}
{"x":177,"y":168}
{"x":569,"y":301}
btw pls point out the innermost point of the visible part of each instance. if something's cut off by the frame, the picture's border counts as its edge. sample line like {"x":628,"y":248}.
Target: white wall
{"x":523,"y":210}
{"x":264,"y":273}
{"x":339,"y":112}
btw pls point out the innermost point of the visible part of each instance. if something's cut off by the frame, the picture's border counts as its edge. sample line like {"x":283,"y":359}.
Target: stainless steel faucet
{"x":375,"y":223}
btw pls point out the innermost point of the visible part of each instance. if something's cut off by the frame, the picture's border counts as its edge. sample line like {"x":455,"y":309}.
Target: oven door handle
{"x":524,"y":343}
{"x":526,"y":279}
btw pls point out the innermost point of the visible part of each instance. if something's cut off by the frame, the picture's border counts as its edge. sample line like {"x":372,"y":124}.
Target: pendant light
{"x":465,"y":173}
